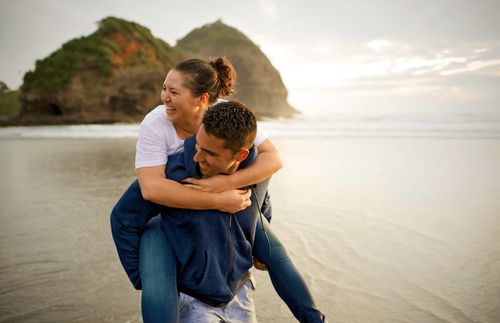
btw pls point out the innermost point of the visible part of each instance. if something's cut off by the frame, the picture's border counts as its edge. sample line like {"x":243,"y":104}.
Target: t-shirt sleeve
{"x":260,"y":137}
{"x":151,"y":148}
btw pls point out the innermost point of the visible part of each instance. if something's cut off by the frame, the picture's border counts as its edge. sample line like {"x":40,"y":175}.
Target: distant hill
{"x":259,"y":83}
{"x":9,"y":102}
{"x":114,"y":74}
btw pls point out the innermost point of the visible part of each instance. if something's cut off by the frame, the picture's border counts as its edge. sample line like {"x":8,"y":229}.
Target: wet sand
{"x":383,"y":229}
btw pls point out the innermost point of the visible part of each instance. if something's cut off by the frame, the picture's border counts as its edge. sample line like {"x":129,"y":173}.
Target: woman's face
{"x":181,"y":105}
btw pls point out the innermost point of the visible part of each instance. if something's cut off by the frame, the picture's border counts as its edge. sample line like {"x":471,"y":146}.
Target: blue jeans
{"x":285,"y":277}
{"x":157,"y":268}
{"x":158,"y":273}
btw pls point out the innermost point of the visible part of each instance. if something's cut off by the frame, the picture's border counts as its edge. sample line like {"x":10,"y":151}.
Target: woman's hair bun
{"x":226,"y":75}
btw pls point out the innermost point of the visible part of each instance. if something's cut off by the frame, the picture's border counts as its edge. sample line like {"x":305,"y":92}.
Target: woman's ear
{"x":204,"y":97}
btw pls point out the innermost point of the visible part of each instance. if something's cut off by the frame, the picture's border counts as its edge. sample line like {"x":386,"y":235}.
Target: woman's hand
{"x":233,"y":201}
{"x":214,"y":184}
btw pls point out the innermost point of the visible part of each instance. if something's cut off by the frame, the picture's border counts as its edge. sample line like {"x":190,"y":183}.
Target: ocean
{"x":389,"y":219}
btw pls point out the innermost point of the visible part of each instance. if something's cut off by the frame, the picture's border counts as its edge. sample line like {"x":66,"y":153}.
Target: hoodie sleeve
{"x":128,"y":219}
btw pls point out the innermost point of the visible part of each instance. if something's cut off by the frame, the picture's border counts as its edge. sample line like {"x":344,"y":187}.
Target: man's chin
{"x":205,"y":171}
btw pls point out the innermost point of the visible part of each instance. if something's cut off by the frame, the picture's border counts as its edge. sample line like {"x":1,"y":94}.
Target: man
{"x":213,"y":266}
{"x":213,"y":249}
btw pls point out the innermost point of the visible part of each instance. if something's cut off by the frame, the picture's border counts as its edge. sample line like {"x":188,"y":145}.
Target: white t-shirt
{"x":158,"y":139}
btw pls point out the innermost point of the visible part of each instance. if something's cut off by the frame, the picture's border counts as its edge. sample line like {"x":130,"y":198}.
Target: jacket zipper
{"x":230,"y":258}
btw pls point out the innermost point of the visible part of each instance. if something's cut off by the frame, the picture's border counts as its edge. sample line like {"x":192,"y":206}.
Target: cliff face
{"x":115,"y":74}
{"x":259,"y":83}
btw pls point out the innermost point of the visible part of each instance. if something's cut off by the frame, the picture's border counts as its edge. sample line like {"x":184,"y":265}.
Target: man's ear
{"x":242,"y":155}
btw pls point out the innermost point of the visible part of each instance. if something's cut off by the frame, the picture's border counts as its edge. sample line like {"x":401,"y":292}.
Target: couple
{"x":204,"y":242}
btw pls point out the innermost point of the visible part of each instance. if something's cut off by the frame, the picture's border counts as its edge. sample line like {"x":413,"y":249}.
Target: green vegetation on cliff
{"x":115,"y":74}
{"x":96,"y":52}
{"x":10,"y":106}
{"x":210,"y":36}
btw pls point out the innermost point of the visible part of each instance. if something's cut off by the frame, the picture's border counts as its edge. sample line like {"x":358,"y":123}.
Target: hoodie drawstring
{"x":261,"y":220}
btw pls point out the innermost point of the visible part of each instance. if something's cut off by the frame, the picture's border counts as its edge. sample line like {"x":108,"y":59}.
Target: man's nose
{"x":198,"y":156}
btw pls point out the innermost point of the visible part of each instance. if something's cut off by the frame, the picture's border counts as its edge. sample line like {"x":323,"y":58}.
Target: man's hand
{"x":233,"y":201}
{"x":215,"y":184}
{"x":259,"y":265}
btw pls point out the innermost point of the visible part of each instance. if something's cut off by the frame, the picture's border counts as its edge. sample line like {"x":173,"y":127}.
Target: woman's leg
{"x":158,"y":274}
{"x":285,"y":277}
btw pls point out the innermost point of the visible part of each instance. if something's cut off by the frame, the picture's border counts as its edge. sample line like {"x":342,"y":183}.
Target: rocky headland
{"x":259,"y":83}
{"x":115,"y":75}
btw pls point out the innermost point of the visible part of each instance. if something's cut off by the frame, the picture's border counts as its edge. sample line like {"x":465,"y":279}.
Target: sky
{"x":357,"y":56}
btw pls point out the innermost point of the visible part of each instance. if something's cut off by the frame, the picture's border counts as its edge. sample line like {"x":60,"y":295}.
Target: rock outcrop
{"x":115,"y":74}
{"x":259,"y":83}
{"x":3,"y":87}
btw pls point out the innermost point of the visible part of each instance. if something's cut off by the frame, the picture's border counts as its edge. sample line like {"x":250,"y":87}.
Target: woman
{"x":189,"y":89}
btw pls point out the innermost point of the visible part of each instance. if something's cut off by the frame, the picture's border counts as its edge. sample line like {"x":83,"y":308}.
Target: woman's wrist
{"x":220,"y":200}
{"x":216,"y":200}
{"x":227,"y":184}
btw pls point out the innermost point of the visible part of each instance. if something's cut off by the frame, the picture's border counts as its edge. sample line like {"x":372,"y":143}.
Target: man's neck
{"x":230,"y":171}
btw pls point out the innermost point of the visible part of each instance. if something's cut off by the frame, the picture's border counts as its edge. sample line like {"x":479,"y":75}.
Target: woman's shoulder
{"x":157,"y":118}
{"x":156,"y":113}
{"x":156,"y":132}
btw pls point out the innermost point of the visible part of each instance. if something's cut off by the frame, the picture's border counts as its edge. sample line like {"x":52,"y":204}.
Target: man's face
{"x":212,"y":157}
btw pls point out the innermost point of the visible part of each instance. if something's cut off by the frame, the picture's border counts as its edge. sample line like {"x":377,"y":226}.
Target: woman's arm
{"x":267,"y":163}
{"x":156,"y":188}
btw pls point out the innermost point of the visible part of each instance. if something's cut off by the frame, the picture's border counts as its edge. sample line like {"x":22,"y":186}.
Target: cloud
{"x":268,"y":7}
{"x":329,"y":63}
{"x":378,"y":45}
{"x":471,"y":67}
{"x":389,"y":73}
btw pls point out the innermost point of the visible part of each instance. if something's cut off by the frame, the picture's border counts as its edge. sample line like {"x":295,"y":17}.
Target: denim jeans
{"x":157,"y":267}
{"x":158,"y":273}
{"x":285,"y":277}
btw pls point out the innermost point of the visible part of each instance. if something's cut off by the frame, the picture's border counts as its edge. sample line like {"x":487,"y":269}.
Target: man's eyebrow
{"x":206,"y":150}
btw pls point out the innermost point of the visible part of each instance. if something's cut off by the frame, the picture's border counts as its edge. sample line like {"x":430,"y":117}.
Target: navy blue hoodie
{"x":213,"y":248}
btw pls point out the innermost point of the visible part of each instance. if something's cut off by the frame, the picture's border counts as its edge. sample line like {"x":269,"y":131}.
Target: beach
{"x":384,"y":227}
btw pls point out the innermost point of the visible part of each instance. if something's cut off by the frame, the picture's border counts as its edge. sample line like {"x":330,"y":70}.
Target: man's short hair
{"x":233,"y":122}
